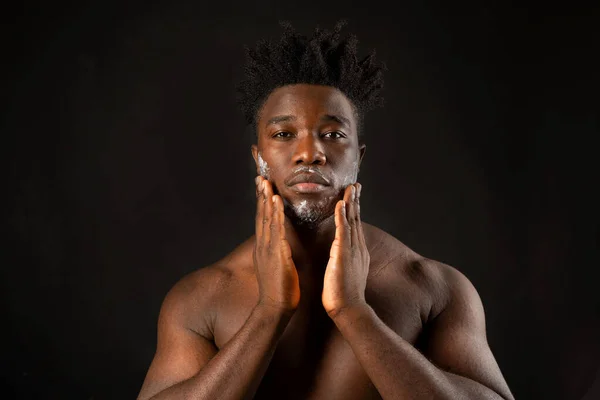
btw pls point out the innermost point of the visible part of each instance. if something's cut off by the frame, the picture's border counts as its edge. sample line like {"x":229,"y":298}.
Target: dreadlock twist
{"x":323,"y":59}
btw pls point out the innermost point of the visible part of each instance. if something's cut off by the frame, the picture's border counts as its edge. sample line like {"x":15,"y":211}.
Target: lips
{"x":308,"y":178}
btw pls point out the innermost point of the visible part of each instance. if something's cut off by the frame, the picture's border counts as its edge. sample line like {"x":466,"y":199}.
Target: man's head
{"x":306,"y":98}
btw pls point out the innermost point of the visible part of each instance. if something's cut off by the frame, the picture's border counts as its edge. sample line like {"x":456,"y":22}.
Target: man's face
{"x":308,"y":129}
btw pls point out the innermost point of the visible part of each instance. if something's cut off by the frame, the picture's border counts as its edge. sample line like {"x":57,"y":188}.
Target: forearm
{"x":237,"y":369}
{"x":396,"y":368}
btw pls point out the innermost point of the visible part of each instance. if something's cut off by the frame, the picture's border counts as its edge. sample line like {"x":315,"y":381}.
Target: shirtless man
{"x":318,"y":304}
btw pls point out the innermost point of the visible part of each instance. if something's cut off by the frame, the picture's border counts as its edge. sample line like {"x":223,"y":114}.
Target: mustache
{"x":305,"y":169}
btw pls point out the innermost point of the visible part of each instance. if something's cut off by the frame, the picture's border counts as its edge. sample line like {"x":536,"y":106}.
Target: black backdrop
{"x":128,"y":166}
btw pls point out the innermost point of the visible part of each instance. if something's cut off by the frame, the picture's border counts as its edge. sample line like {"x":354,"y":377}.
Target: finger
{"x":274,"y":223}
{"x":345,"y":225}
{"x":342,"y":229}
{"x":358,"y":192}
{"x":257,"y":182}
{"x":267,"y":210}
{"x":348,"y":200}
{"x":347,"y":194}
{"x":339,"y":221}
{"x":347,"y":197}
{"x":361,"y":234}
{"x":352,"y":219}
{"x":279,"y":232}
{"x":258,"y":223}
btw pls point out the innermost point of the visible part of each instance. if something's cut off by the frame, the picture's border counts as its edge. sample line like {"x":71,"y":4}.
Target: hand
{"x":278,"y":283}
{"x":348,"y":267}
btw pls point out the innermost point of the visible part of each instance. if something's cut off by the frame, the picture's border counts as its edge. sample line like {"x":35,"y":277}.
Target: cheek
{"x":272,"y":164}
{"x":349,"y":176}
{"x":264,"y":167}
{"x":270,"y":171}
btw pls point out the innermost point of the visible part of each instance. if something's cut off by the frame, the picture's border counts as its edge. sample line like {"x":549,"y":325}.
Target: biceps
{"x":462,"y":353}
{"x":180,"y":354}
{"x":456,"y":339}
{"x":469,"y":357}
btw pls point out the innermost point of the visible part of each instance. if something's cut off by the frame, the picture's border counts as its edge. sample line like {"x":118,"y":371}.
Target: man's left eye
{"x":334,"y":133}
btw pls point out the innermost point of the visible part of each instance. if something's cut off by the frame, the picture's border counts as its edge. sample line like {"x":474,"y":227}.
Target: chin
{"x":310,"y":211}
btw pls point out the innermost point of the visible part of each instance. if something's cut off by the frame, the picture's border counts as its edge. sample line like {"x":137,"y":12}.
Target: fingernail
{"x":359,"y":190}
{"x":353,"y":192}
{"x":256,"y":180}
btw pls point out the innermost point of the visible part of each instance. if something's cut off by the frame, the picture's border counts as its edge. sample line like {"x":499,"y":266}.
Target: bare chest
{"x":312,"y":359}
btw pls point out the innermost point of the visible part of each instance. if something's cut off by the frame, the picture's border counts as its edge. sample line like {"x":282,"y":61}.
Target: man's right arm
{"x":187,"y":365}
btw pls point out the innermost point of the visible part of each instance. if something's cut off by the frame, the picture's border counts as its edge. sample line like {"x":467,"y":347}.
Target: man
{"x":318,"y":304}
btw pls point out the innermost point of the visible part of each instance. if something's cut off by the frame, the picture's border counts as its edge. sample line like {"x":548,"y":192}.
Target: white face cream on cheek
{"x":263,"y":167}
{"x":351,"y":176}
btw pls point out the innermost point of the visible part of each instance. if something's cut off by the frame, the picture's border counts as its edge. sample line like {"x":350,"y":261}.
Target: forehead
{"x":306,"y":102}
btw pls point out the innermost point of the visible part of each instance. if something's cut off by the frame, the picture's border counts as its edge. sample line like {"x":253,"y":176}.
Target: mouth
{"x":308,"y":182}
{"x":308,"y":177}
{"x":308,"y":187}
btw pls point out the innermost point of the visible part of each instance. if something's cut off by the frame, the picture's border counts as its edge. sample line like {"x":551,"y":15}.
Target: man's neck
{"x":311,"y":245}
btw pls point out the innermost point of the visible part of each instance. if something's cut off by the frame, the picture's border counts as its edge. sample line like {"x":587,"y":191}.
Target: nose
{"x":308,"y":151}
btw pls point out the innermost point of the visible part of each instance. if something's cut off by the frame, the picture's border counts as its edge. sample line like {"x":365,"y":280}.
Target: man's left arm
{"x":457,"y":362}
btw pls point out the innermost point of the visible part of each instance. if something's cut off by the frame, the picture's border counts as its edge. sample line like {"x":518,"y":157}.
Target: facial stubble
{"x":309,"y":213}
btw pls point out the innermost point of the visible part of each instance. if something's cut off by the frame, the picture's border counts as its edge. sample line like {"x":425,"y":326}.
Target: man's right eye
{"x":281,"y":133}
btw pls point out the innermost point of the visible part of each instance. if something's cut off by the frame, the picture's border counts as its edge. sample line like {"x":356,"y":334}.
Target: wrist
{"x":350,"y":312}
{"x":273,"y":311}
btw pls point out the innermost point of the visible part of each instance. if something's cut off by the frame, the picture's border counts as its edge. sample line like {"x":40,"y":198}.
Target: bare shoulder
{"x":197,"y":296}
{"x":394,"y":263}
{"x":390,"y":257}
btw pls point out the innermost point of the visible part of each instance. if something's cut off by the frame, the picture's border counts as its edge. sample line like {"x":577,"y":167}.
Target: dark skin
{"x":319,"y":304}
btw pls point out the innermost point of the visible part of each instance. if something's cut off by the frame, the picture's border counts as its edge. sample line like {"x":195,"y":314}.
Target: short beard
{"x":308,"y":215}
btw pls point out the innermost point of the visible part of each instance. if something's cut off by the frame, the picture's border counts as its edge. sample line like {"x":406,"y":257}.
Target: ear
{"x":361,"y":150}
{"x":254,"y":149}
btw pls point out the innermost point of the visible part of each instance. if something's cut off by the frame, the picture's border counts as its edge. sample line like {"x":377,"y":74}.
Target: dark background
{"x":128,"y":166}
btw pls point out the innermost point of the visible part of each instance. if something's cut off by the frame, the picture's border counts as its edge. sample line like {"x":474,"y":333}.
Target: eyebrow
{"x":325,"y":118}
{"x":340,"y":119}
